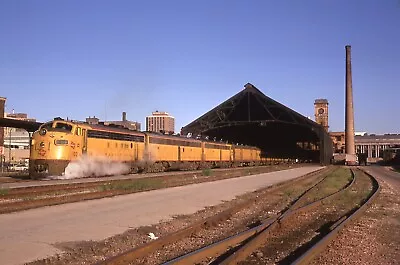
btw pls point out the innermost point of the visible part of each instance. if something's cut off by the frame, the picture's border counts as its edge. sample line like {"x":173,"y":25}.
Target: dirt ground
{"x":12,"y":200}
{"x":90,"y":252}
{"x":373,"y":238}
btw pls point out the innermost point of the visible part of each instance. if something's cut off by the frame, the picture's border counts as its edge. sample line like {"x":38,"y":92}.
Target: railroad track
{"x":213,"y":221}
{"x":253,"y":239}
{"x":44,"y":193}
{"x":239,"y":247}
{"x":310,"y":254}
{"x":51,"y":184}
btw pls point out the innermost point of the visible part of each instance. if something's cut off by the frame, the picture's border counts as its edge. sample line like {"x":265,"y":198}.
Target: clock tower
{"x":321,"y":112}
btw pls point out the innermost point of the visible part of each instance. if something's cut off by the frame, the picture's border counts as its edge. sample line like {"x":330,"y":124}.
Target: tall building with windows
{"x":160,"y":122}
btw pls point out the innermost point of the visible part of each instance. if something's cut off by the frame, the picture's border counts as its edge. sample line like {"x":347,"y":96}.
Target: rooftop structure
{"x":131,"y":125}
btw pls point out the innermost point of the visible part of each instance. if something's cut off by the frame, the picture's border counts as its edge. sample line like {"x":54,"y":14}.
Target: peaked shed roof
{"x":248,"y":106}
{"x":250,"y":117}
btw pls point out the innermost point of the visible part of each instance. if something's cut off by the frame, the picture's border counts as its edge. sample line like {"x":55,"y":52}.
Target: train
{"x":59,"y":142}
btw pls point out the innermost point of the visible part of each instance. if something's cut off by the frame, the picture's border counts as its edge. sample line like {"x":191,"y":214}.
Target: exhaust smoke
{"x":93,"y":167}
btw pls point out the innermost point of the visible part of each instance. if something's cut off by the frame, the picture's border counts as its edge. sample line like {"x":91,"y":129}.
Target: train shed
{"x":252,"y":118}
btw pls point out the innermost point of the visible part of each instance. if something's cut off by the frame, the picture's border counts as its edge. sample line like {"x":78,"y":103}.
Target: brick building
{"x":371,"y":145}
{"x":321,"y":112}
{"x":160,"y":122}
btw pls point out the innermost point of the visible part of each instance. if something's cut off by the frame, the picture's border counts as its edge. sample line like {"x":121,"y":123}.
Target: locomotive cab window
{"x":47,"y":125}
{"x":63,"y":126}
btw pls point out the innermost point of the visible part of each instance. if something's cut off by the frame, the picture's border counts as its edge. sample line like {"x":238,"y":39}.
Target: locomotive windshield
{"x":57,"y":126}
{"x":63,"y":126}
{"x":47,"y":125}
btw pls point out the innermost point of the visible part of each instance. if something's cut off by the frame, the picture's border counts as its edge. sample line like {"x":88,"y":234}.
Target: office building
{"x":160,"y":122}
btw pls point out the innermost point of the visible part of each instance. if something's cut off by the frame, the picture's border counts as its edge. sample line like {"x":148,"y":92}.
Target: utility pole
{"x":9,"y":149}
{"x":2,"y":160}
{"x":2,"y":130}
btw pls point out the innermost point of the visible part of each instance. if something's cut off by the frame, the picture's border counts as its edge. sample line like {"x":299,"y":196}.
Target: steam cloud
{"x":93,"y":167}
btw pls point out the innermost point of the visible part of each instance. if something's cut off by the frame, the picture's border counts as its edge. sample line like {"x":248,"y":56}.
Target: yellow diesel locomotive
{"x":59,"y":142}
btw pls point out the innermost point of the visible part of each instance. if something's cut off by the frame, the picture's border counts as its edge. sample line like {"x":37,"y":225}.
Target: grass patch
{"x":288,"y":193}
{"x":207,"y":172}
{"x":134,"y":185}
{"x":338,"y":178}
{"x":358,"y":194}
{"x":4,"y":192}
{"x":29,"y":198}
{"x":350,"y":178}
{"x":335,"y":181}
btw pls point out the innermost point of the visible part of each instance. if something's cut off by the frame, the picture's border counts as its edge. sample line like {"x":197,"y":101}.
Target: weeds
{"x":135,"y":185}
{"x":338,"y":179}
{"x":29,"y":198}
{"x":207,"y":172}
{"x":288,"y":193}
{"x":4,"y":192}
{"x":350,"y":178}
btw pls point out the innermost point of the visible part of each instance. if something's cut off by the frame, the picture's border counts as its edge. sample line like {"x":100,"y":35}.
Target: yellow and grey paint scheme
{"x":59,"y":142}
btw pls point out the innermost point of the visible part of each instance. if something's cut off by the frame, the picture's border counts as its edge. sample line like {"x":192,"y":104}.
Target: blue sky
{"x":82,"y":58}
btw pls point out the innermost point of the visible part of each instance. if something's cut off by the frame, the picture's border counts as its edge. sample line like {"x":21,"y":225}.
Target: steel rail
{"x":310,"y":254}
{"x":317,"y":202}
{"x":140,"y":251}
{"x":220,"y":247}
{"x":259,"y":233}
{"x":244,"y":251}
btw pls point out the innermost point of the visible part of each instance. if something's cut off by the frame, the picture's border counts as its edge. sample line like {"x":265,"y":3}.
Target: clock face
{"x":321,"y":111}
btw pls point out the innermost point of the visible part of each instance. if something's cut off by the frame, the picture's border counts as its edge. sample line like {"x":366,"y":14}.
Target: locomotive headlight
{"x":42,"y":131}
{"x":41,"y":144}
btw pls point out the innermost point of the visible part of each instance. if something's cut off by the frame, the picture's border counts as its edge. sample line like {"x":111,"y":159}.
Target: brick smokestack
{"x":124,"y":116}
{"x":2,"y":105}
{"x":349,"y":123}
